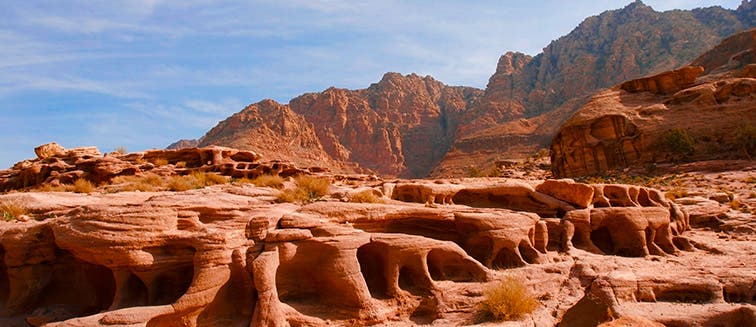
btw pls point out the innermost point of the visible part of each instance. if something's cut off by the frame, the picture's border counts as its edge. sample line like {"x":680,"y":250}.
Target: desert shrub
{"x":181,"y":164}
{"x":207,"y":179}
{"x":473,"y":171}
{"x":309,"y":189}
{"x":181,"y":183}
{"x":679,"y":142}
{"x":11,"y":210}
{"x":120,"y":150}
{"x":676,"y":193}
{"x":508,"y":299}
{"x":273,"y":181}
{"x":160,"y":161}
{"x":366,"y":196}
{"x":745,"y":139}
{"x":146,"y":183}
{"x":82,"y":185}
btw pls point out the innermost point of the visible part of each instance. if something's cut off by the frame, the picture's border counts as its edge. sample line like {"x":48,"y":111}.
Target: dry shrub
{"x":160,"y":161}
{"x":11,"y":210}
{"x":121,"y":150}
{"x":194,"y":180}
{"x":181,"y":183}
{"x":206,"y":179}
{"x":181,"y":164}
{"x":309,"y":189}
{"x":52,"y":188}
{"x":676,"y":193}
{"x":508,"y":299}
{"x":83,"y":186}
{"x":145,"y":183}
{"x":273,"y":181}
{"x":366,"y":196}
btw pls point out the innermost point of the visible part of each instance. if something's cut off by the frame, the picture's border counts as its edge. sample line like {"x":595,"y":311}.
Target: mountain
{"x":700,"y":112}
{"x":272,"y":130}
{"x":415,"y":126}
{"x":528,"y":98}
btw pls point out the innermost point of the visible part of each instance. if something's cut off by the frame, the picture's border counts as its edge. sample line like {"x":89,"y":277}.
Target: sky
{"x":142,"y":74}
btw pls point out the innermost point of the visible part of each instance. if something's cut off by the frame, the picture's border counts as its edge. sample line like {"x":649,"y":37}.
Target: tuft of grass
{"x":366,"y":196}
{"x":145,"y":183}
{"x":83,"y":186}
{"x":160,"y":161}
{"x":181,"y":164}
{"x":676,"y":193}
{"x":735,"y":204}
{"x":51,"y":188}
{"x":121,"y":150}
{"x":273,"y":181}
{"x":309,"y":189}
{"x":194,"y":180}
{"x":11,"y":210}
{"x":181,"y":183}
{"x":745,"y":139}
{"x":508,"y":299}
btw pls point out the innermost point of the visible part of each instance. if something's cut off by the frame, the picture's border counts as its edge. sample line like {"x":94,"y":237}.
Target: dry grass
{"x":366,"y":196}
{"x":160,"y":161}
{"x":273,"y":181}
{"x":11,"y":210}
{"x":145,"y":183}
{"x":181,"y":164}
{"x":121,"y":150}
{"x":309,"y":189}
{"x":83,"y":186}
{"x":194,"y":180}
{"x":508,"y":299}
{"x":51,"y":188}
{"x":676,"y":193}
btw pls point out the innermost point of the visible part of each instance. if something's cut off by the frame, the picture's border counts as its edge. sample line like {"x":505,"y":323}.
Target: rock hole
{"x":445,"y":265}
{"x":409,"y":279}
{"x":602,"y":238}
{"x":171,"y":285}
{"x":373,"y":267}
{"x":134,"y":293}
{"x":507,"y":258}
{"x":643,"y":198}
{"x":438,"y":229}
{"x":480,"y":248}
{"x":529,"y":254}
{"x":686,"y":295}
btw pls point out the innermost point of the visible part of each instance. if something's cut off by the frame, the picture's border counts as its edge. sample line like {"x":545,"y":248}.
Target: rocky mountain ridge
{"x":416,"y":126}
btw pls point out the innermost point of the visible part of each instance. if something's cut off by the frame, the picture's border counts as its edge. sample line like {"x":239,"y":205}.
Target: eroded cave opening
{"x":445,"y":265}
{"x":133,"y":293}
{"x":409,"y":278}
{"x":373,"y":268}
{"x":480,"y":248}
{"x":602,"y":238}
{"x":171,"y":284}
{"x":686,"y":294}
{"x":506,"y":259}
{"x":529,"y":254}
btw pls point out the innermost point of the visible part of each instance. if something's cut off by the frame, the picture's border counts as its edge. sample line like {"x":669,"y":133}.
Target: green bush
{"x":679,"y":142}
{"x":745,"y":139}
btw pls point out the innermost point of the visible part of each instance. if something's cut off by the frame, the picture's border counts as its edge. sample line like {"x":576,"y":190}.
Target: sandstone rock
{"x":617,"y":130}
{"x":665,"y":83}
{"x":580,"y":195}
{"x":49,"y":150}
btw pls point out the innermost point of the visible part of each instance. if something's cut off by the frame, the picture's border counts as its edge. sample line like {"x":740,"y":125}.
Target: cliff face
{"x":602,"y":51}
{"x":402,"y":125}
{"x":274,"y":131}
{"x":675,"y":115}
{"x":413,"y":126}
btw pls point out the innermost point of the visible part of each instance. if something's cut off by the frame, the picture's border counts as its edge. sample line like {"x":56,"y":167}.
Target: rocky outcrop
{"x":230,"y":255}
{"x":182,"y":144}
{"x":56,"y":165}
{"x":667,"y":117}
{"x":528,"y":99}
{"x":273,"y":130}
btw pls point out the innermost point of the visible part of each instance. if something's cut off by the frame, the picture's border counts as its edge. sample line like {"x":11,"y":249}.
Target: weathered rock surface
{"x":56,"y":165}
{"x":630,"y":125}
{"x":229,"y":255}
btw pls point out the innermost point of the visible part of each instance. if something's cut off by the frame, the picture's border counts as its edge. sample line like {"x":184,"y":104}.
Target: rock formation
{"x":412,"y":126}
{"x":231,"y":255}
{"x":672,"y":116}
{"x":56,"y":165}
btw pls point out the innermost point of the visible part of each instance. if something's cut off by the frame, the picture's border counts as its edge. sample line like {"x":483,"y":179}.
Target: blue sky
{"x":144,"y":73}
